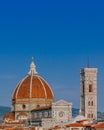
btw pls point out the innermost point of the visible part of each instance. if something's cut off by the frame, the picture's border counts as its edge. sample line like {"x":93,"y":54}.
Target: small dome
{"x":9,"y":116}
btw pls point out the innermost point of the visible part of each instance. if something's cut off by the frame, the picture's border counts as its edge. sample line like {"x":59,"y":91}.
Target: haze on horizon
{"x":61,"y":35}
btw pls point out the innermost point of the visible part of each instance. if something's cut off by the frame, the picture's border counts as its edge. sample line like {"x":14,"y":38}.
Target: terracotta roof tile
{"x":77,"y":125}
{"x":100,"y":125}
{"x":42,"y":107}
{"x":74,"y":124}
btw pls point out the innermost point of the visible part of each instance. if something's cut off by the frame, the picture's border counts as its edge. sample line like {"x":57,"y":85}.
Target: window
{"x":89,"y":103}
{"x":91,"y":115}
{"x":46,"y":114}
{"x":35,"y":115}
{"x":90,"y":88}
{"x":23,"y":106}
{"x":40,"y":114}
{"x":92,"y":103}
{"x":83,"y":88}
{"x":88,"y":115}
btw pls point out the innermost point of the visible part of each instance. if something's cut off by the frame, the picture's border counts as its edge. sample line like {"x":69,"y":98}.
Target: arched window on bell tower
{"x":90,"y":88}
{"x":92,"y":103}
{"x":89,"y":103}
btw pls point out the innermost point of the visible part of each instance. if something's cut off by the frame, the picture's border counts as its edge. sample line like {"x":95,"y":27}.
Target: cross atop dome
{"x":32,"y":68}
{"x":32,"y":59}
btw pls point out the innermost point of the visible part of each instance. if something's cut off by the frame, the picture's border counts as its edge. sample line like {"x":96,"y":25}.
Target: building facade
{"x":88,"y":93}
{"x":61,"y":114}
{"x":62,"y":111}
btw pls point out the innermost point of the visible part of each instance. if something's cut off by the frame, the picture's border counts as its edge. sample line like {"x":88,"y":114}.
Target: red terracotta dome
{"x":9,"y":116}
{"x":33,"y":86}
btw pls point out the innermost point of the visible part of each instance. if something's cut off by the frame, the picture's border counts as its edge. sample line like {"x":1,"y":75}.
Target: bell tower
{"x":88,"y":93}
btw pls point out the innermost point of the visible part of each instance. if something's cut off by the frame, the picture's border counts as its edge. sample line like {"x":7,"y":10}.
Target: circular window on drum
{"x":23,"y":106}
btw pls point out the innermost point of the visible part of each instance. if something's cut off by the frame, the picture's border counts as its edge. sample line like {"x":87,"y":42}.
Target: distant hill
{"x":100,"y":115}
{"x":75,"y":112}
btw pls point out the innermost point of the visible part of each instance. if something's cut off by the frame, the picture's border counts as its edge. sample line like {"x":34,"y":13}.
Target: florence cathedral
{"x":33,"y":100}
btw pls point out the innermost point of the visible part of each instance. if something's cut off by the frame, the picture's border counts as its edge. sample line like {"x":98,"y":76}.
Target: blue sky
{"x":61,"y":35}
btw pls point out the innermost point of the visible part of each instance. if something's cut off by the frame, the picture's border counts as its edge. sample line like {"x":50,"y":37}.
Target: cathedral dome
{"x":33,"y":86}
